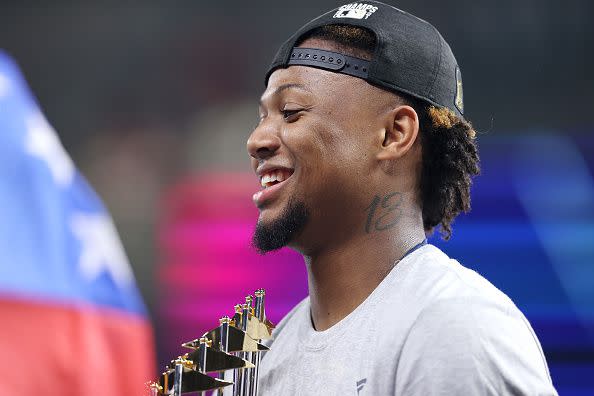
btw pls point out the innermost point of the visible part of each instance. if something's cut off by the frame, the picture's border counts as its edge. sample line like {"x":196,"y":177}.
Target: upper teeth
{"x":277,"y":175}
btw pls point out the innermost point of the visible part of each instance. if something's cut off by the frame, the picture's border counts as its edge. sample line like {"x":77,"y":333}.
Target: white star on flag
{"x":101,"y":249}
{"x":4,"y":85}
{"x":42,"y":141}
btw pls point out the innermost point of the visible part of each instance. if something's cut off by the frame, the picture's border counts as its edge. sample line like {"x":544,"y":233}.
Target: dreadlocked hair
{"x":449,"y":152}
{"x":450,"y":161}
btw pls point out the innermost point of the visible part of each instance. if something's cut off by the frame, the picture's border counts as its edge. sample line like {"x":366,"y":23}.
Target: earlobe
{"x":400,"y":132}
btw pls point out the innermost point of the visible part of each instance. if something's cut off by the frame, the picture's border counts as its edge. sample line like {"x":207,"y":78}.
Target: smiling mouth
{"x":271,"y":182}
{"x":274,"y":177}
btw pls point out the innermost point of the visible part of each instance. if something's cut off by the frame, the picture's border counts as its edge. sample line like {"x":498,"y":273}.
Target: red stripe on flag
{"x":68,"y":351}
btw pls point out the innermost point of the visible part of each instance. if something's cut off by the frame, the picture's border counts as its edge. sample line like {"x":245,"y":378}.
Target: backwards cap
{"x":410,"y":55}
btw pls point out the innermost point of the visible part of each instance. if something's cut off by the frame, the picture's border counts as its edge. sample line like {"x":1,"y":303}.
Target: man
{"x":362,"y":149}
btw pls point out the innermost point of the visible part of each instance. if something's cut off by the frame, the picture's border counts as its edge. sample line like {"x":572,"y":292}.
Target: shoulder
{"x":475,"y":323}
{"x":439,"y":277}
{"x":468,"y":336}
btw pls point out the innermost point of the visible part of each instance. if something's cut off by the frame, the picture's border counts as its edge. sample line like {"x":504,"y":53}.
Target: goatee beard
{"x":281,"y":231}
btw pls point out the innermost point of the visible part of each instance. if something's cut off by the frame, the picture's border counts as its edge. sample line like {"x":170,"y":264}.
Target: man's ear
{"x":400,"y":132}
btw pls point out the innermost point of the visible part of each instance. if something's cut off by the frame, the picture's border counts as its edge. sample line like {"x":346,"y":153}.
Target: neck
{"x":342,"y":276}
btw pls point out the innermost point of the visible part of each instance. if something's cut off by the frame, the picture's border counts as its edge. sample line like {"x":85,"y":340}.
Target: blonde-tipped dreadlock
{"x":443,"y":117}
{"x":450,"y":161}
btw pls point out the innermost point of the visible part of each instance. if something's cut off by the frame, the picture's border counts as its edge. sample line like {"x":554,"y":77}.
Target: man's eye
{"x":290,"y":115}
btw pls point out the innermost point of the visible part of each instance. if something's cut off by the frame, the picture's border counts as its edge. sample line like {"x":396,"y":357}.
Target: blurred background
{"x":154,"y":101}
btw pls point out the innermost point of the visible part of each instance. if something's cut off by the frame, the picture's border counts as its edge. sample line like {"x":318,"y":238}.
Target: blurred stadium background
{"x":154,"y":101}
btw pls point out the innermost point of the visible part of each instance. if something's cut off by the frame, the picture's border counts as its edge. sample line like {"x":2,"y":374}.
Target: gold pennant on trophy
{"x":216,"y":361}
{"x":193,"y":381}
{"x":238,"y":341}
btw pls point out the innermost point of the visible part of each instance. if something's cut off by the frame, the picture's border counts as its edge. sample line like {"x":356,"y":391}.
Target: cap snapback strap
{"x":328,"y":60}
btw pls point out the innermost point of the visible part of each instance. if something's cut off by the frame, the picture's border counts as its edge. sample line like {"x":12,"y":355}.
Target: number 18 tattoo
{"x":383,"y":213}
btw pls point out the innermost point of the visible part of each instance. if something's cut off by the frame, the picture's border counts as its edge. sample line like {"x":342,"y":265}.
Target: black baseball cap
{"x":410,"y":55}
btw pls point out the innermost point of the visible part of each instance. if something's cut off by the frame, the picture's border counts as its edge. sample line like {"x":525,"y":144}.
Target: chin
{"x":276,"y":233}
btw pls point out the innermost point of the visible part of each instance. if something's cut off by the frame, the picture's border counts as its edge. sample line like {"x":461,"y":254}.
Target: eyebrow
{"x":284,"y":87}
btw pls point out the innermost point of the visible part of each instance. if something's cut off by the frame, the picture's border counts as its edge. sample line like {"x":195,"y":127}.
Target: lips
{"x":274,"y":176}
{"x":272,"y":179}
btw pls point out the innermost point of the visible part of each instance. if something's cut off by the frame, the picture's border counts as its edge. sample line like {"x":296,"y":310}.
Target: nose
{"x":263,"y":141}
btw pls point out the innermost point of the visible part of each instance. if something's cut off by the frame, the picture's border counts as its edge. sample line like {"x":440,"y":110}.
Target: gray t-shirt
{"x":431,"y":327}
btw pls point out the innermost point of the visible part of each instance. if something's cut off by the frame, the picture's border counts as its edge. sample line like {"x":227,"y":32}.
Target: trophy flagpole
{"x":246,"y":308}
{"x":238,"y":374}
{"x":255,"y":358}
{"x":177,"y":379}
{"x":204,"y":343}
{"x":224,"y":347}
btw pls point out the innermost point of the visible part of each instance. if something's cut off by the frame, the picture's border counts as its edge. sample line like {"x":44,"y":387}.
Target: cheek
{"x":345,"y":145}
{"x":317,"y":147}
{"x":330,"y":155}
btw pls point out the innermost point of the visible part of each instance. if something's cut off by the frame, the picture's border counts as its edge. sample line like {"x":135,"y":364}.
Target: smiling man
{"x":362,"y":150}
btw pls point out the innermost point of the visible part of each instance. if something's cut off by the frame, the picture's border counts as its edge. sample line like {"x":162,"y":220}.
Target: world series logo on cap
{"x":355,"y":11}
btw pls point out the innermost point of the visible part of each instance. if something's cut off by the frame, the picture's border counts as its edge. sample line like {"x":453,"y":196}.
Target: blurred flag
{"x":71,"y":319}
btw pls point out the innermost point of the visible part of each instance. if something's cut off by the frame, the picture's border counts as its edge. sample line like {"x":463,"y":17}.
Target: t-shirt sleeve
{"x":469,"y":346}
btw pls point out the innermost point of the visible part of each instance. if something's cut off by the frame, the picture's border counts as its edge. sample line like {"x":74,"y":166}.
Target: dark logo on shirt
{"x":361,"y":384}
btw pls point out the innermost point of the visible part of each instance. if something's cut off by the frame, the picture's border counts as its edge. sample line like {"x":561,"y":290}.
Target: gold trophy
{"x":234,"y":345}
